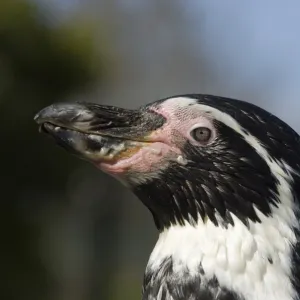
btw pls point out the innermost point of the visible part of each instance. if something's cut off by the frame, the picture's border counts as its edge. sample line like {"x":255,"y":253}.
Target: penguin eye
{"x":201,"y":134}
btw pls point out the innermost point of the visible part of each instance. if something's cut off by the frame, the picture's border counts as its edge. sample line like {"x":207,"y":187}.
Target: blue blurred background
{"x":68,"y":231}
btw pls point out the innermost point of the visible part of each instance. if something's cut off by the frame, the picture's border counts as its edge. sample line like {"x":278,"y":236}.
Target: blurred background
{"x":68,"y":231}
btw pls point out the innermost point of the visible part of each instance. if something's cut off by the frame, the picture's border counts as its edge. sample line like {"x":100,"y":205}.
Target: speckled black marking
{"x":164,"y":284}
{"x":270,"y":260}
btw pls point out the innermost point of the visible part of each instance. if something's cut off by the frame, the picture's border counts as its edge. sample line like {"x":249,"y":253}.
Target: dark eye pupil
{"x":201,"y":134}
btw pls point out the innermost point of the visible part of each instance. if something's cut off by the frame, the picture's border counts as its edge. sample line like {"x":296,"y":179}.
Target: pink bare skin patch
{"x":148,"y":157}
{"x":163,"y":145}
{"x":181,"y":120}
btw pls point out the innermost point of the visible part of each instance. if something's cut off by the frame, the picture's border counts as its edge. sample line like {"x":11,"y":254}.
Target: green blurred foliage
{"x":39,"y":64}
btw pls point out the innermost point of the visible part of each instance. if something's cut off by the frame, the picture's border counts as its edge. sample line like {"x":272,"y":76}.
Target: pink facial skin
{"x":166,"y":143}
{"x":146,"y":159}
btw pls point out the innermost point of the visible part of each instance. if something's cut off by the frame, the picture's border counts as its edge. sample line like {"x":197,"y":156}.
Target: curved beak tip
{"x":61,"y":113}
{"x":37,"y":117}
{"x":44,"y":114}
